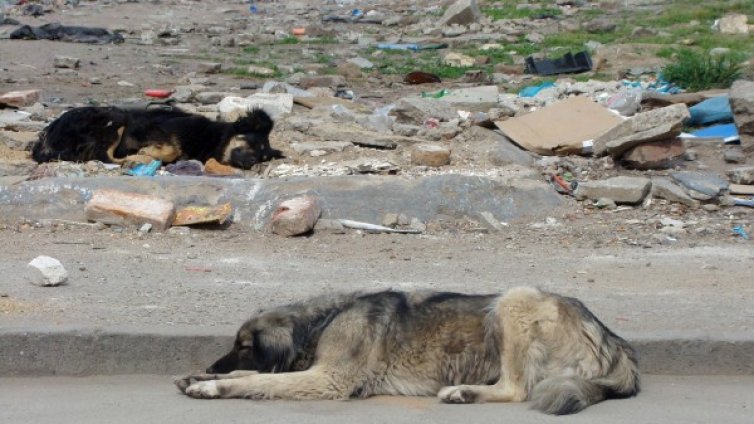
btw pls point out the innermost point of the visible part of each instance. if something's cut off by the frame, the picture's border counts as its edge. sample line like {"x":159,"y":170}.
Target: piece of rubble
{"x":660,"y":154}
{"x":741,"y":189}
{"x":622,"y":190}
{"x":733,"y":24}
{"x":742,"y":175}
{"x":462,"y":12}
{"x":326,"y":146}
{"x":494,"y":147}
{"x":664,"y":188}
{"x":66,"y":62}
{"x":114,"y":207}
{"x":330,"y":81}
{"x":349,"y":70}
{"x":361,"y":62}
{"x":416,"y":110}
{"x":20,"y":98}
{"x":21,"y":140}
{"x":458,"y":60}
{"x":742,"y":106}
{"x":261,"y":71}
{"x":46,"y":272}
{"x":706,"y":183}
{"x":295,"y":216}
{"x":734,"y":155}
{"x":656,"y":124}
{"x":209,"y":67}
{"x":192,"y":215}
{"x":231,"y":108}
{"x":430,"y":155}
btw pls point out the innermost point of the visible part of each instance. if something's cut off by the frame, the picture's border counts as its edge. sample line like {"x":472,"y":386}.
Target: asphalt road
{"x":153,"y":399}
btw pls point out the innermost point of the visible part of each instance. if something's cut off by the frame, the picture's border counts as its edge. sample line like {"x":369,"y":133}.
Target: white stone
{"x":47,"y":272}
{"x":231,"y":107}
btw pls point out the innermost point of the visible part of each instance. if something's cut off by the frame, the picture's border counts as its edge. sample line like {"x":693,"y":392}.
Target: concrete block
{"x":120,"y":208}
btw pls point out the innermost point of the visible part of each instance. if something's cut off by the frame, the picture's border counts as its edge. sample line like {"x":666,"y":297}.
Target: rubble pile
{"x":323,"y":71}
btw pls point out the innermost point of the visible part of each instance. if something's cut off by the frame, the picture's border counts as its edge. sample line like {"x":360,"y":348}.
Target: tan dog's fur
{"x":524,"y":345}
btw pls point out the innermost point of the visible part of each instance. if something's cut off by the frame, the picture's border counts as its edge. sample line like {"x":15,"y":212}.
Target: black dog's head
{"x":263,"y":344}
{"x":254,"y":131}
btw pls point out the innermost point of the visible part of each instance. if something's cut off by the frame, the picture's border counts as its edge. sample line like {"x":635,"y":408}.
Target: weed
{"x":696,"y":71}
{"x":288,"y":40}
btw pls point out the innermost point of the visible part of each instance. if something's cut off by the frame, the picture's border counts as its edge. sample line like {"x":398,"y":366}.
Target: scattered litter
{"x":566,"y":127}
{"x":626,"y":102}
{"x":711,"y":111}
{"x":374,"y":228}
{"x":741,"y":232}
{"x":157,"y":93}
{"x":419,"y":77}
{"x":437,"y":94}
{"x":47,"y":272}
{"x":532,"y":90}
{"x":726,"y":132}
{"x":145,"y":170}
{"x":73,"y":34}
{"x":568,"y":64}
{"x":186,"y":167}
{"x":743,"y":202}
{"x":192,"y":215}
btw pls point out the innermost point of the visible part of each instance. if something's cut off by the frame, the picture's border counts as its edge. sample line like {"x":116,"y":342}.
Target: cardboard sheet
{"x":563,"y":128}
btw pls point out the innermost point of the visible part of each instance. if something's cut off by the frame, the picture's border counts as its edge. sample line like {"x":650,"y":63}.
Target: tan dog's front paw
{"x":203,"y":390}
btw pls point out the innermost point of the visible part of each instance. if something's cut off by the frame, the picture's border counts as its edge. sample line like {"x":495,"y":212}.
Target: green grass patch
{"x":698,"y":71}
{"x":250,"y":50}
{"x":288,"y":40}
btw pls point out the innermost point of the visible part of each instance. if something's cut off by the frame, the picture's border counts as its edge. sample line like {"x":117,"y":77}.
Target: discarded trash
{"x":741,"y":232}
{"x":431,"y":123}
{"x":411,"y":46}
{"x":727,"y":132}
{"x":419,"y":77}
{"x":345,"y":93}
{"x":374,"y":228}
{"x":47,"y":272}
{"x":569,"y":63}
{"x":562,"y":185}
{"x":298,"y":31}
{"x":186,"y":167}
{"x":145,"y":170}
{"x":711,"y":111}
{"x":743,"y":202}
{"x":192,"y":215}
{"x":566,"y":127}
{"x":157,"y":93}
{"x":626,"y":102}
{"x":437,"y":94}
{"x":532,"y":91}
{"x":74,"y":34}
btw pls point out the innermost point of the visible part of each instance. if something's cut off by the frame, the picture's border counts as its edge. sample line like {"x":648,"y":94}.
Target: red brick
{"x":655,"y":154}
{"x":119,"y":208}
{"x":296,"y":216}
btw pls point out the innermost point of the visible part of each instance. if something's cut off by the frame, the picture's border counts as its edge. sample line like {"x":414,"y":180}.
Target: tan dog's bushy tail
{"x":571,"y":394}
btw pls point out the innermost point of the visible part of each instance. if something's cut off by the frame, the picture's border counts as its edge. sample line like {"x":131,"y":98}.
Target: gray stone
{"x":734,"y":155}
{"x":494,"y":147}
{"x":66,"y":62}
{"x":605,"y":203}
{"x":656,"y":124}
{"x":326,"y":146}
{"x":47,"y":272}
{"x":261,"y":71}
{"x":209,"y":67}
{"x":462,"y":12}
{"x":742,"y":106}
{"x":361,"y":62}
{"x":733,"y":24}
{"x":390,"y":220}
{"x":211,"y":97}
{"x":600,"y":25}
{"x":415,"y":110}
{"x":622,"y":190}
{"x":480,"y":98}
{"x":742,"y":175}
{"x":664,"y":188}
{"x":706,"y":183}
{"x":330,"y":81}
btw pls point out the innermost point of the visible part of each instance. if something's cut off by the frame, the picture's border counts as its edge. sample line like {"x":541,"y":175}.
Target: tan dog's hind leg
{"x":311,"y":384}
{"x":522,"y":312}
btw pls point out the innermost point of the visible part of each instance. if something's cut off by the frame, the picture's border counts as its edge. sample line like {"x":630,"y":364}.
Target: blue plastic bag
{"x":532,"y":91}
{"x":711,"y":111}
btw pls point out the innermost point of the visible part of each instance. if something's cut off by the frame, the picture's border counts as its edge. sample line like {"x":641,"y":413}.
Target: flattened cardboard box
{"x":563,"y":128}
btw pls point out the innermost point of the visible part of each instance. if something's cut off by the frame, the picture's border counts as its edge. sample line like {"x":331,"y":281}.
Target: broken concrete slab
{"x":622,"y":190}
{"x":295,"y":216}
{"x":655,"y":124}
{"x":415,"y":110}
{"x":741,"y":189}
{"x":430,"y":155}
{"x":474,"y":99}
{"x":660,"y":154}
{"x":462,"y":12}
{"x":114,"y":207}
{"x":362,"y":198}
{"x":665,"y":188}
{"x":742,"y":175}
{"x":487,"y":146}
{"x":707,"y":183}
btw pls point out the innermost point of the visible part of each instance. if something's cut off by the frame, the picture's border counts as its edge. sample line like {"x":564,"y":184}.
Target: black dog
{"x":115,"y":135}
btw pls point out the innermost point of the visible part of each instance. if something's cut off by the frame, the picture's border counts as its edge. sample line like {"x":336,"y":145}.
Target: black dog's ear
{"x":256,"y":121}
{"x":273,"y":350}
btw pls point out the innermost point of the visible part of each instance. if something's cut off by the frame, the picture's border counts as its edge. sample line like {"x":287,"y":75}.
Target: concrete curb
{"x":362,"y":198}
{"x":104,"y":352}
